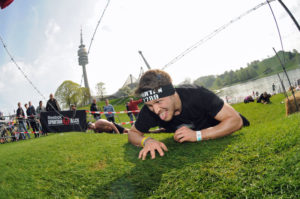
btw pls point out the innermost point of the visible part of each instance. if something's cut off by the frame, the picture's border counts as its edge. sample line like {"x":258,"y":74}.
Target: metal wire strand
{"x":211,"y":35}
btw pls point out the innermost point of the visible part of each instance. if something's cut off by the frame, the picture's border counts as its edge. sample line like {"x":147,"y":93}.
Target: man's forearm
{"x":135,"y":137}
{"x":224,"y":128}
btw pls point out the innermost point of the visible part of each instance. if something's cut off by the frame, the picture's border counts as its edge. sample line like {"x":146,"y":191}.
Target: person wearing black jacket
{"x":264,"y":98}
{"x":52,"y":104}
{"x":31,"y":114}
{"x":22,"y":127}
{"x":97,"y":116}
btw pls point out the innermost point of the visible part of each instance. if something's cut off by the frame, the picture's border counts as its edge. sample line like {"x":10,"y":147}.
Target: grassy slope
{"x":258,"y":161}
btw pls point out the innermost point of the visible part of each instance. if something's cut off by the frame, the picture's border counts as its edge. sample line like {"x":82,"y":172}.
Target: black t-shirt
{"x":199,"y":107}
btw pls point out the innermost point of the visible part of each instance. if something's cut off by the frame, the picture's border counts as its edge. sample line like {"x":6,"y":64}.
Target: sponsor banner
{"x":65,"y":121}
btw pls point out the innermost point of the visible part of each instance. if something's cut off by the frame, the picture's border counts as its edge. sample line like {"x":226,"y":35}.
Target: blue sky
{"x":43,"y":37}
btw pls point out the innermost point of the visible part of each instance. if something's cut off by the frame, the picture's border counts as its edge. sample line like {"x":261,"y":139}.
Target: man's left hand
{"x":185,"y":134}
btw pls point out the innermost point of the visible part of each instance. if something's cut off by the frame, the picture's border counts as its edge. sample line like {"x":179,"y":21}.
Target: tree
{"x":100,"y":89}
{"x":68,"y":93}
{"x":85,"y":96}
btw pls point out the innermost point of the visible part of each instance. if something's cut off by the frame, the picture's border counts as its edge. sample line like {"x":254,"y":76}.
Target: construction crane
{"x":148,"y":66}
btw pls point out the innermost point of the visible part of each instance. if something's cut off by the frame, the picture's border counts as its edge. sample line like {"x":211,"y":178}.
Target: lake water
{"x":238,"y":92}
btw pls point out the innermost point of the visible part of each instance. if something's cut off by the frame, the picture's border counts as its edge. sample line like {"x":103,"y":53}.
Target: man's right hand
{"x":150,"y":146}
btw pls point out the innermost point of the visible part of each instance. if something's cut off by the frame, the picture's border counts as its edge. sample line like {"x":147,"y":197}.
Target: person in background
{"x":109,"y":108}
{"x":264,"y":98}
{"x":103,"y":125}
{"x":22,"y":127}
{"x":248,"y":99}
{"x":1,"y":116}
{"x":274,"y":89}
{"x":130,"y":115}
{"x":27,"y":121}
{"x":52,"y":104}
{"x":31,"y":117}
{"x":73,"y":107}
{"x":38,"y":111}
{"x":94,"y":108}
{"x":133,"y":106}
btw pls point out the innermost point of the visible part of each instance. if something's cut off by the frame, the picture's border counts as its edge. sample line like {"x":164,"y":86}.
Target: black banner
{"x":66,"y":121}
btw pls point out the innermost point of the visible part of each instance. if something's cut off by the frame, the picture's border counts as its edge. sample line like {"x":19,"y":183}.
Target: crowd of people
{"x":27,"y":121}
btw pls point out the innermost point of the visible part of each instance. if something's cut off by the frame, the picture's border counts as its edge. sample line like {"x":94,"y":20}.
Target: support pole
{"x":297,"y":108}
{"x":290,"y":14}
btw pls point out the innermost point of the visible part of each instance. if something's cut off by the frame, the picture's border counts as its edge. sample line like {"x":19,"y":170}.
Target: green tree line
{"x":254,"y":70}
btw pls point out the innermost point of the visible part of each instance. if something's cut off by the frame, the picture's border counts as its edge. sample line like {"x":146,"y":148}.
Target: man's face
{"x":91,"y":126}
{"x":29,"y":103}
{"x":106,"y":102}
{"x":41,"y":104}
{"x":94,"y":101}
{"x":51,"y":96}
{"x":163,"y":107}
{"x":265,"y":94}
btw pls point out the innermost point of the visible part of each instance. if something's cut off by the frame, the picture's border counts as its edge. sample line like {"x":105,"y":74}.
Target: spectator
{"x":40,"y":109}
{"x":248,"y":99}
{"x":94,"y":108}
{"x":27,"y":121}
{"x":52,"y":104}
{"x":73,"y":107}
{"x":109,"y":108}
{"x":133,"y":106}
{"x":1,"y":116}
{"x":130,"y":115}
{"x":274,"y":89}
{"x":31,"y":117}
{"x":264,"y":98}
{"x":22,"y":127}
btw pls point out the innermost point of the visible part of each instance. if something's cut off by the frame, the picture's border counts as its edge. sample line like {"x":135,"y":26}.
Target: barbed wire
{"x":26,"y":77}
{"x":97,"y":26}
{"x":20,"y":69}
{"x":211,"y":35}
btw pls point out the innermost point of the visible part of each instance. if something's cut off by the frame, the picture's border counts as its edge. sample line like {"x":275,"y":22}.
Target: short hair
{"x":152,"y":80}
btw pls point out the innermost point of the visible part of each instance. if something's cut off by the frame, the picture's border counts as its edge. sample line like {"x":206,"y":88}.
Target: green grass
{"x":260,"y":161}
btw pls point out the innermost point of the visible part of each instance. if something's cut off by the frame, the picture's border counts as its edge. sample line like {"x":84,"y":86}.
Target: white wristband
{"x":199,"y":135}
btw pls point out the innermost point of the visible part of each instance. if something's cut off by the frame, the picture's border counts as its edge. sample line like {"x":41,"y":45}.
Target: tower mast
{"x":83,"y":60}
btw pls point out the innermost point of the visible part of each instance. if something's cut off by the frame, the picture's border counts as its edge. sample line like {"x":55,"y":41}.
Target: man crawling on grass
{"x":192,"y":112}
{"x":105,"y":126}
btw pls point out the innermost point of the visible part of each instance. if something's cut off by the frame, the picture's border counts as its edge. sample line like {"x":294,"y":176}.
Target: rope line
{"x":118,"y":112}
{"x":211,"y":35}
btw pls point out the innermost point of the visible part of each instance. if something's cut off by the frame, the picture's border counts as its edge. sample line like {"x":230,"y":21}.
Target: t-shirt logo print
{"x":66,"y":120}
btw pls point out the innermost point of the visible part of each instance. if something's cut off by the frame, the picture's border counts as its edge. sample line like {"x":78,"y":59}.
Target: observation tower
{"x":83,"y":60}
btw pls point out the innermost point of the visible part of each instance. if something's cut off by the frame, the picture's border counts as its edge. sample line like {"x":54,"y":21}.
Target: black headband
{"x":153,"y":94}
